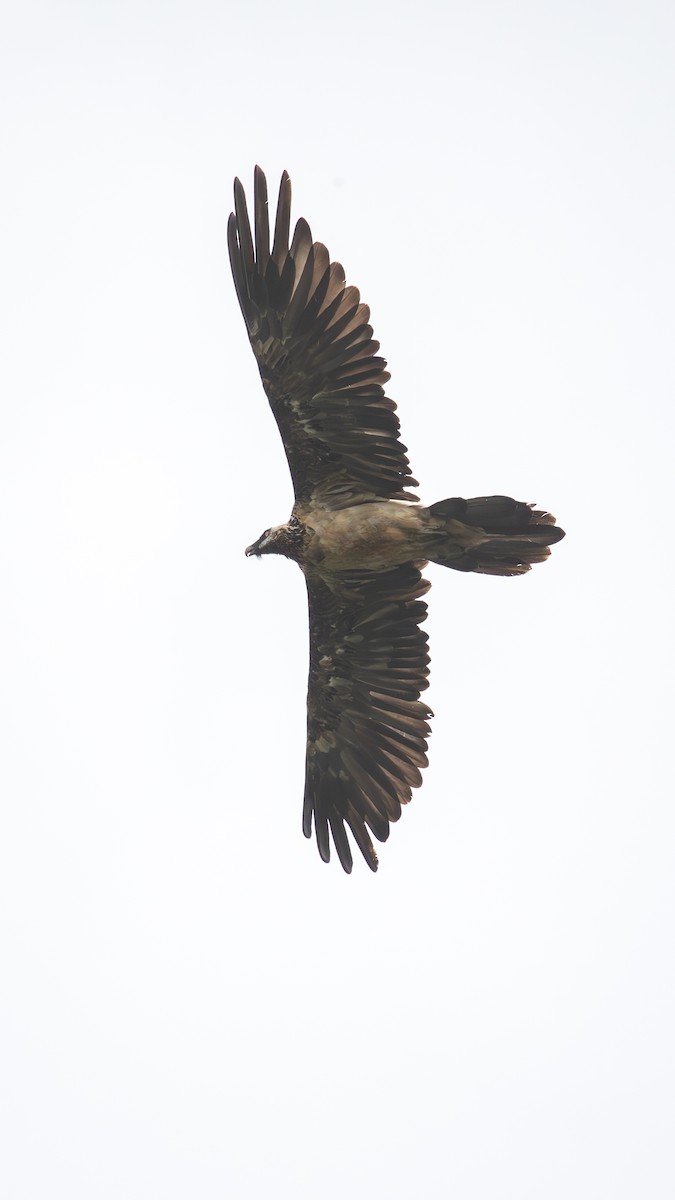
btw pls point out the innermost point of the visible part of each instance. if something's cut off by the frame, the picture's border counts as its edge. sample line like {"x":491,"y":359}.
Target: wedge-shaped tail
{"x":493,"y":535}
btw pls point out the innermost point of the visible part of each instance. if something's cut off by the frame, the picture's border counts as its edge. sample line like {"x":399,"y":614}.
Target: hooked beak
{"x":253,"y":549}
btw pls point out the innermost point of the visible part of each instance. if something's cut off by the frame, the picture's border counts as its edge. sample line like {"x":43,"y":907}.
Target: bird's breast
{"x":365,"y":536}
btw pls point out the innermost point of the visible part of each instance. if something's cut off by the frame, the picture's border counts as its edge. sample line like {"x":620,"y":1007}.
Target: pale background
{"x":192,"y":1004}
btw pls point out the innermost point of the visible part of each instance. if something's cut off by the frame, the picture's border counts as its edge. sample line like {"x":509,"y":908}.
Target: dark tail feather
{"x":514,"y":535}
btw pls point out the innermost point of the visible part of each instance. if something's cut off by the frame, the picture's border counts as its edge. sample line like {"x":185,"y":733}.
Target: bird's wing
{"x":317,"y":359}
{"x":366,"y":726}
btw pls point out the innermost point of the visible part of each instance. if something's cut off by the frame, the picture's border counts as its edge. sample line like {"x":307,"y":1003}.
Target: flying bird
{"x":357,"y":531}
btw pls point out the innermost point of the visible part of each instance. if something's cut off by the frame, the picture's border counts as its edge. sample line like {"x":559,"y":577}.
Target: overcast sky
{"x":193,"y":1004}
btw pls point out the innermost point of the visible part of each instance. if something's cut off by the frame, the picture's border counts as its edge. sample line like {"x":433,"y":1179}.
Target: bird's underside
{"x":357,"y":531}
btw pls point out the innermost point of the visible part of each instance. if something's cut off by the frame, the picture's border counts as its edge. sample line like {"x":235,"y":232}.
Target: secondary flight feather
{"x":357,"y":531}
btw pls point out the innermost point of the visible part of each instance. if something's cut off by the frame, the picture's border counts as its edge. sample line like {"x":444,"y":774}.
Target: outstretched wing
{"x":366,"y":726}
{"x":317,"y":359}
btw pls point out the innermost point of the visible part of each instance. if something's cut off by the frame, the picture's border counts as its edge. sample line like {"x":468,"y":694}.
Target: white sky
{"x":193,"y":1005}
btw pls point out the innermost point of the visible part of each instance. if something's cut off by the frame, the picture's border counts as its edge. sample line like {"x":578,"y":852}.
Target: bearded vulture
{"x":356,"y":531}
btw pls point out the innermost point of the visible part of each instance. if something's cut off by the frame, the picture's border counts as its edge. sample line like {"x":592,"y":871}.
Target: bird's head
{"x":280,"y":539}
{"x":266,"y":543}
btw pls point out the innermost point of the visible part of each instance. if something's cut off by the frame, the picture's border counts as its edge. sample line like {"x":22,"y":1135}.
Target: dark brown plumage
{"x":356,"y":529}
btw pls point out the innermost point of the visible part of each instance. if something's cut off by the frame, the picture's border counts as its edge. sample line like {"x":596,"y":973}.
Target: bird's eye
{"x":267,"y":533}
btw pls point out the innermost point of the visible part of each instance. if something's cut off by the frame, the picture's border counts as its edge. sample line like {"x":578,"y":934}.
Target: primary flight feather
{"x":356,"y":530}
